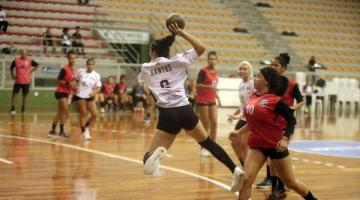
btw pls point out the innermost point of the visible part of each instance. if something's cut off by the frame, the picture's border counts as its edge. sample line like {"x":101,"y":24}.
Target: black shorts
{"x":206,"y":104}
{"x":172,"y":120}
{"x":60,"y":95}
{"x":90,"y":99}
{"x":25,"y":88}
{"x":272,"y":153}
{"x":240,"y":124}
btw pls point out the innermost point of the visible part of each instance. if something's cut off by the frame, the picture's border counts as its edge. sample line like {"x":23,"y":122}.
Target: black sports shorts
{"x":60,"y":95}
{"x":76,"y":98}
{"x":272,"y":153}
{"x":24,"y":88}
{"x":172,"y":120}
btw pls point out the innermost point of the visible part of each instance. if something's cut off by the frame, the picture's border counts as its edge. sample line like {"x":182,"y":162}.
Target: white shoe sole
{"x":237,"y":180}
{"x":153,"y":162}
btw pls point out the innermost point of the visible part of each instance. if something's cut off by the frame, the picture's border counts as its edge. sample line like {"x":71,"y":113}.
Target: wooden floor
{"x":110,"y":167}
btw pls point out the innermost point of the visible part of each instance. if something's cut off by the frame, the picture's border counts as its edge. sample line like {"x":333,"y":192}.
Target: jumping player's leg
{"x":213,"y":121}
{"x":91,"y":107}
{"x":284,"y":169}
{"x":157,"y":150}
{"x":253,"y":163}
{"x":200,"y":135}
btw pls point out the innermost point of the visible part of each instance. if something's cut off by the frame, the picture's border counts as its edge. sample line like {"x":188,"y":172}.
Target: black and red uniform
{"x":206,"y":96}
{"x":292,"y":93}
{"x":120,"y":88}
{"x":66,"y":74}
{"x":262,"y":113}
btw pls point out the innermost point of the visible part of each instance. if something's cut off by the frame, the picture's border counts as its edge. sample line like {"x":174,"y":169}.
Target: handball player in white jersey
{"x":89,"y":84}
{"x":246,"y":89}
{"x":165,"y":78}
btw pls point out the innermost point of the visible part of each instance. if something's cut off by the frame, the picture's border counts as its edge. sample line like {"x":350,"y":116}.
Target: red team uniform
{"x":206,"y":96}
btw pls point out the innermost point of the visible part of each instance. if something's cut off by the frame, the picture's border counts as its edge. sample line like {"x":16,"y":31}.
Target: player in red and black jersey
{"x":120,"y":91}
{"x":268,"y":138}
{"x":206,"y":96}
{"x":107,"y":95}
{"x":294,"y":99}
{"x":65,"y":87}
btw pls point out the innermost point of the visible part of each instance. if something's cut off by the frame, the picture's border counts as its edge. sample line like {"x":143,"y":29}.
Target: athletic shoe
{"x":153,"y":162}
{"x":102,"y":110}
{"x":52,"y":134}
{"x":86,"y":134}
{"x":12,"y":111}
{"x":204,"y":152}
{"x":265,"y":184}
{"x":62,"y":134}
{"x":281,"y":193}
{"x":237,"y":180}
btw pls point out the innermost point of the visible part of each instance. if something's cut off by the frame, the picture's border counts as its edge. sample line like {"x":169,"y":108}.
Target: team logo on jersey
{"x":264,"y":103}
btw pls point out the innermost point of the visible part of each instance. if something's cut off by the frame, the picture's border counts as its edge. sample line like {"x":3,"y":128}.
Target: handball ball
{"x":175,"y":18}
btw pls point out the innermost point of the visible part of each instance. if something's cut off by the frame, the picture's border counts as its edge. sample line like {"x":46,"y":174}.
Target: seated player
{"x":107,"y":96}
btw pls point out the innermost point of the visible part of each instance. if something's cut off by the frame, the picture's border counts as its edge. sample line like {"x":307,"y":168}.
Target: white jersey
{"x":165,"y":78}
{"x":87,"y":82}
{"x":246,"y":89}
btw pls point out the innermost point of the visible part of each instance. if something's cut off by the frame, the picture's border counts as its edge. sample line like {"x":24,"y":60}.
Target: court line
{"x":215,"y":182}
{"x":6,"y":161}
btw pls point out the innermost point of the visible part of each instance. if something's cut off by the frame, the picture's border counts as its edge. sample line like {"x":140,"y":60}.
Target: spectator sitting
{"x":65,"y":40}
{"x":107,"y":95}
{"x":120,"y":91}
{"x":139,"y":95}
{"x":3,"y":22}
{"x":77,"y":43}
{"x":48,"y":40}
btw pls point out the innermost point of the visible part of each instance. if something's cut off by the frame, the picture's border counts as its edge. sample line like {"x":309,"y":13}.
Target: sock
{"x":268,"y":171}
{"x":53,"y":127}
{"x":309,"y":196}
{"x":82,"y":129}
{"x":146,"y":156}
{"x":61,"y":127}
{"x":273,"y":183}
{"x":280,"y":185}
{"x":218,"y":153}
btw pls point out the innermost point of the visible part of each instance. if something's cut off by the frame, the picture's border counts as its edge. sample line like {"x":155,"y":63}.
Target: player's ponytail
{"x":162,"y":46}
{"x":277,"y":84}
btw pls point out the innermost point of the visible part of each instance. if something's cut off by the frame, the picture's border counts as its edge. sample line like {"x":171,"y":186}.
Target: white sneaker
{"x":204,"y":152}
{"x":102,"y":110}
{"x":86,"y":134}
{"x":237,"y":180}
{"x":153,"y":162}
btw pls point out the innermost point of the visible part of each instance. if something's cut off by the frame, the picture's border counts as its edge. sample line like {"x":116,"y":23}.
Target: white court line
{"x":6,"y":161}
{"x":215,"y":182}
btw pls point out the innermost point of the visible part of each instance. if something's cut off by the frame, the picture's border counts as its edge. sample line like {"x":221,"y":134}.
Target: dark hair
{"x":284,"y":59}
{"x":69,"y":53}
{"x":211,"y":53}
{"x":90,"y":60}
{"x":277,"y":84}
{"x":77,"y":27}
{"x":65,"y":30}
{"x":162,"y":46}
